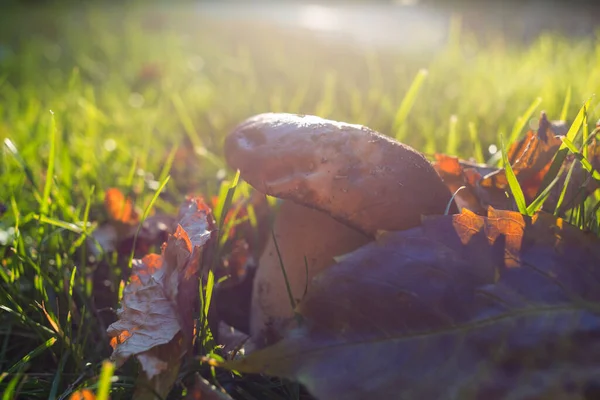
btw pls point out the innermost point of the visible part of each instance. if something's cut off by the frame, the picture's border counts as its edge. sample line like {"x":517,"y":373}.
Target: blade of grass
{"x":58,"y":375}
{"x":538,"y":202}
{"x":104,"y":382}
{"x":11,"y":391}
{"x":563,"y":192}
{"x":522,"y":120}
{"x":565,"y":107}
{"x":60,"y":224}
{"x":14,"y":151}
{"x":585,"y":130}
{"x":285,"y":277}
{"x":513,"y":183}
{"x":145,"y":215}
{"x":452,"y":144}
{"x":168,"y":163}
{"x":407,"y":103}
{"x":50,"y":170}
{"x":186,"y":120}
{"x":31,"y":355}
{"x":584,"y":161}
{"x":477,"y":150}
{"x":562,"y":152}
{"x":224,"y":206}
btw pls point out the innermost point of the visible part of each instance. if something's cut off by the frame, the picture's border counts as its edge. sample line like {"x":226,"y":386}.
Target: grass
{"x":125,"y":97}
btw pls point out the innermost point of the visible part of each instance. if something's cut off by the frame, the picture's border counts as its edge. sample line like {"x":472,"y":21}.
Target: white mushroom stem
{"x":301,"y":234}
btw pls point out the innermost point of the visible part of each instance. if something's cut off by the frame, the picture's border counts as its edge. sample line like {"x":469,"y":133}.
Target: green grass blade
{"x":11,"y":391}
{"x":562,"y":152}
{"x":452,"y":144}
{"x":477,"y":150}
{"x":210,"y":284}
{"x":60,"y":224}
{"x":104,"y":383}
{"x":145,"y":215}
{"x":186,"y":121}
{"x":224,"y":206}
{"x":59,"y":374}
{"x":285,"y":277}
{"x":584,"y":161}
{"x":14,"y":151}
{"x":565,"y":107}
{"x":50,"y":171}
{"x":31,"y":355}
{"x":522,"y":121}
{"x":585,"y":130}
{"x":563,"y":192}
{"x":407,"y":103}
{"x":513,"y":183}
{"x":168,"y":163}
{"x":538,"y":202}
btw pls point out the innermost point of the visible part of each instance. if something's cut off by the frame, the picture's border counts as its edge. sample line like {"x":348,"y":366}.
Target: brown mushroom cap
{"x":358,"y":176}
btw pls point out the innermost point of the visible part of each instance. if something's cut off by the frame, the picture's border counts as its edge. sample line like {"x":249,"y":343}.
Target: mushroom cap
{"x":361,"y":178}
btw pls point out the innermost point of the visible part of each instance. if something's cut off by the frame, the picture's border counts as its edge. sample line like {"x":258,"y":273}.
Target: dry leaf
{"x":462,"y":307}
{"x":453,"y":174}
{"x":84,"y":394}
{"x":156,"y":315}
{"x":530,"y":159}
{"x":119,"y":207}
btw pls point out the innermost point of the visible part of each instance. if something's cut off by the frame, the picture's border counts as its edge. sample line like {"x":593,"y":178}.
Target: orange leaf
{"x":119,"y":207}
{"x":84,"y":394}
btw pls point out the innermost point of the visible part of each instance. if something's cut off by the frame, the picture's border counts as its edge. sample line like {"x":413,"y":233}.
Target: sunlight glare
{"x":319,"y":18}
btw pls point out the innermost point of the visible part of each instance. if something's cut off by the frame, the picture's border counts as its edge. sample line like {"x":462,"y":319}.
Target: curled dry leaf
{"x":461,"y":180}
{"x":156,"y":315}
{"x":462,"y":307}
{"x":530,"y":159}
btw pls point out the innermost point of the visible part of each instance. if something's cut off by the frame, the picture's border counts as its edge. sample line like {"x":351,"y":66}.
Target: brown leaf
{"x":156,"y":315}
{"x":464,"y":306}
{"x":452,"y":173}
{"x":119,"y":207}
{"x":530,"y":159}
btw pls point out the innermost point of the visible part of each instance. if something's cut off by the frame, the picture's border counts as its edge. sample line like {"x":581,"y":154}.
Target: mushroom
{"x":340,"y":184}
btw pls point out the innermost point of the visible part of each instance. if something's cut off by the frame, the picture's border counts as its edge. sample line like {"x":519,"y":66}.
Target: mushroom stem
{"x":308,"y":240}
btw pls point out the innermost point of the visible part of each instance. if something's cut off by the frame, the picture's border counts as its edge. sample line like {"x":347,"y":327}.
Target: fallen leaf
{"x":462,"y":185}
{"x":462,"y":307}
{"x":84,"y":394}
{"x":530,"y":158}
{"x":157,"y":310}
{"x":119,"y":207}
